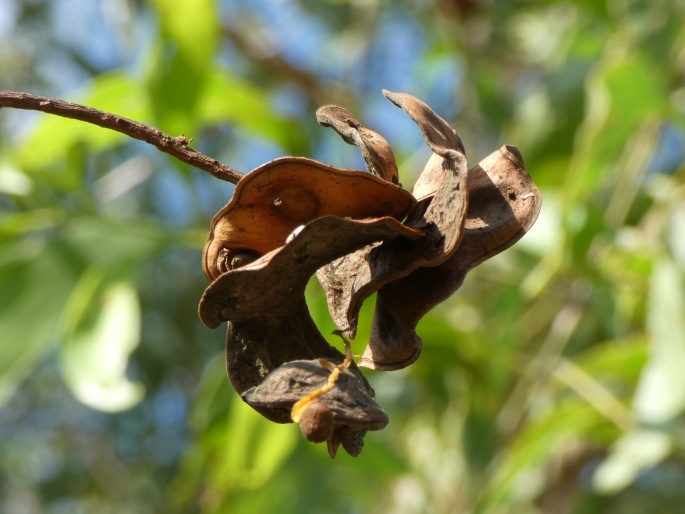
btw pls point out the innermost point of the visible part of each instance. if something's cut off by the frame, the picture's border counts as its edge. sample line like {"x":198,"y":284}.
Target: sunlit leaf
{"x":661,"y":393}
{"x":264,"y":446}
{"x":229,"y":100}
{"x":182,"y":61}
{"x":635,"y":452}
{"x":675,"y":236}
{"x":239,"y":450}
{"x":13,"y":181}
{"x":192,"y":26}
{"x":617,"y":361}
{"x":103,"y":328}
{"x":624,"y":92}
{"x":541,"y":441}
{"x":54,"y":136}
{"x":37,"y":277}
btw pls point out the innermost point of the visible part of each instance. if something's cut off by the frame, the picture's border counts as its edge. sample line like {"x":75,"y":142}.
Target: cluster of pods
{"x":361,"y":233}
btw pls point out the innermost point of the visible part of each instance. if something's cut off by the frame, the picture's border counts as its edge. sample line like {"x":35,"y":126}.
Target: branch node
{"x":183,"y":140}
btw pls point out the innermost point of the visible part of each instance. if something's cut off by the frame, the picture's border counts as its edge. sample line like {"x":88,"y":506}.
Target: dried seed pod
{"x":437,"y":133}
{"x":348,"y":281}
{"x":503,"y":205}
{"x":274,"y":199}
{"x":379,"y":157}
{"x":293,"y":216}
{"x":270,"y":329}
{"x":317,"y":423}
{"x":265,"y":286}
{"x":349,"y":404}
{"x":269,"y":324}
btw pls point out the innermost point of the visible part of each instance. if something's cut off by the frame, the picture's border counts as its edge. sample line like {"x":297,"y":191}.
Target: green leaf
{"x":660,"y":395}
{"x":618,"y":361}
{"x":192,"y":25}
{"x":263,"y":447}
{"x":36,"y":279}
{"x":540,"y":441}
{"x":635,"y":452}
{"x":13,"y":181}
{"x":183,"y":60}
{"x":228,"y":99}
{"x":37,"y":276}
{"x":238,"y":448}
{"x":625,"y":92}
{"x":118,"y":246}
{"x":103,"y":327}
{"x":54,"y":136}
{"x":675,"y":234}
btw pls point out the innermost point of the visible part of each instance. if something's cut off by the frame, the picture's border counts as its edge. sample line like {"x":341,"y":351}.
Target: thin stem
{"x":594,"y":393}
{"x":174,"y":146}
{"x":269,"y":58}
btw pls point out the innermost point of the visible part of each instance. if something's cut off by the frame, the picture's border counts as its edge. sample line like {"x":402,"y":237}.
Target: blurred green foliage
{"x":551,"y":383}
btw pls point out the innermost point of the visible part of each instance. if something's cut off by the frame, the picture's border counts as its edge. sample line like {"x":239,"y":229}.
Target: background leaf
{"x":35,"y":281}
{"x":635,"y":452}
{"x":111,"y":92}
{"x":660,"y":395}
{"x":94,"y":355}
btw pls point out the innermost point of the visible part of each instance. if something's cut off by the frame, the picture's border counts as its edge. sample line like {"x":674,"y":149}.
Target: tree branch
{"x":174,"y":146}
{"x":268,"y":58}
